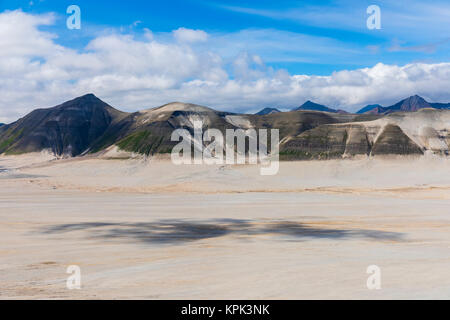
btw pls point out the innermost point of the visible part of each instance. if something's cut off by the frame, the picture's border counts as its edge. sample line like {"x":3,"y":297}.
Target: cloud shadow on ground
{"x":181,"y":231}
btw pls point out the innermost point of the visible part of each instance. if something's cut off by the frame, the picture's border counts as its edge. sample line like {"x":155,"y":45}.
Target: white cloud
{"x":189,"y":35}
{"x":130,"y":74}
{"x":19,"y":35}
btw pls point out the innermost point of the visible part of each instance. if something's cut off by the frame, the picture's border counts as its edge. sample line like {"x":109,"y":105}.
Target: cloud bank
{"x":132,"y":72}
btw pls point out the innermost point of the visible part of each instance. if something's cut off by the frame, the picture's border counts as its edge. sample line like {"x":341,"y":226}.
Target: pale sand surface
{"x":149,"y":229}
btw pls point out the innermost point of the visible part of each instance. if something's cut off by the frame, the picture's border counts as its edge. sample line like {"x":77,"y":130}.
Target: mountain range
{"x":411,"y":104}
{"x":371,"y":109}
{"x":87,"y":125}
{"x":267,"y":111}
{"x":309,"y":105}
{"x":312,"y":106}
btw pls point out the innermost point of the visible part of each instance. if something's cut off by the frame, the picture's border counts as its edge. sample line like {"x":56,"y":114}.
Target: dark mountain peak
{"x":88,"y":96}
{"x":372,"y":109}
{"x":310,"y":105}
{"x":415,"y":99}
{"x":411,"y":104}
{"x":373,"y":105}
{"x":86,"y":101}
{"x":267,"y":111}
{"x":67,"y":129}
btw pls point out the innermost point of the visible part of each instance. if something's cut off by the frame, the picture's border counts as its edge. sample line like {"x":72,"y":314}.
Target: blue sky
{"x":408,"y":31}
{"x":234,"y":55}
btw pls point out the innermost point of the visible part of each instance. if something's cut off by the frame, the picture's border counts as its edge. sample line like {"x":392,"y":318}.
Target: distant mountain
{"x":149,"y":131}
{"x":440,"y":105}
{"x":312,"y":106}
{"x":67,"y":129}
{"x":371,"y":109}
{"x":411,"y":104}
{"x":267,"y":111}
{"x":89,"y":125}
{"x":403,"y":133}
{"x":2,"y":124}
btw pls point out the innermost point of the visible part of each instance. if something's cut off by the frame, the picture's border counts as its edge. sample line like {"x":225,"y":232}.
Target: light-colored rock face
{"x":164,"y":112}
{"x":357,"y":142}
{"x":188,"y":120}
{"x":239,"y":121}
{"x":432,"y":139}
{"x":426,"y":131}
{"x":177,"y":106}
{"x":190,"y":113}
{"x":429,"y":129}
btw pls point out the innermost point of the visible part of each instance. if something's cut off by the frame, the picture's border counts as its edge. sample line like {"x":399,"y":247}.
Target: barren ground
{"x":152,"y":230}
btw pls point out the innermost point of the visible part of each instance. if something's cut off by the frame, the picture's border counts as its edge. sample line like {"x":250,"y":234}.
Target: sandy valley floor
{"x":152,"y":230}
